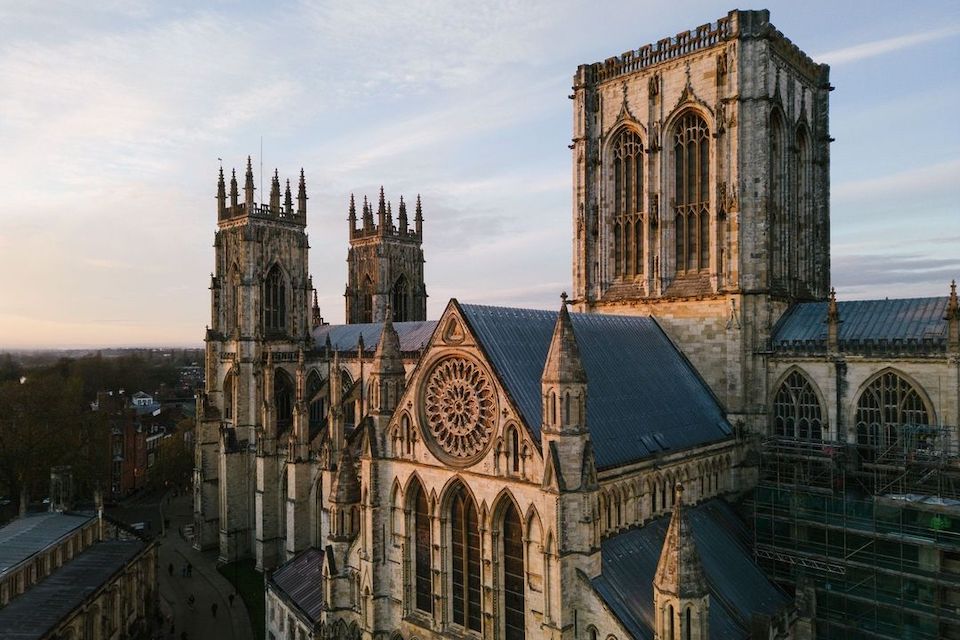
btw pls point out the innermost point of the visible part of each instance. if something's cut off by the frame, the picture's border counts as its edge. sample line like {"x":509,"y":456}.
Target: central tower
{"x":385,"y":264}
{"x":701,"y":190}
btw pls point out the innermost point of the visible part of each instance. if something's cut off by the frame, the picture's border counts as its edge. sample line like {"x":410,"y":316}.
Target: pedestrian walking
{"x":230,"y":598}
{"x":213,"y":609}
{"x":170,"y":569}
{"x":189,"y":570}
{"x":191,"y":601}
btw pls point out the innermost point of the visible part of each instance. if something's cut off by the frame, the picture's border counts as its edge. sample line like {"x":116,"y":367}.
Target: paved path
{"x":206,"y":584}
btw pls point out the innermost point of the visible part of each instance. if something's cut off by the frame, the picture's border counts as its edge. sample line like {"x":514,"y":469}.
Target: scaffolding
{"x":874,"y":525}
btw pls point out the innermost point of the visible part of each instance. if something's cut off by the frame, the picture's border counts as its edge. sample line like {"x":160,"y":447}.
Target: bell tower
{"x":260,"y":320}
{"x":385,"y":264}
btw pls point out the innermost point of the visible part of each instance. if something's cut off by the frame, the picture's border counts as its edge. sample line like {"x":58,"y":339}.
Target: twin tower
{"x":262,"y":287}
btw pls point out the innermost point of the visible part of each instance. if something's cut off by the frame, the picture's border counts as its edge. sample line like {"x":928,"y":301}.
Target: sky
{"x":113,"y":115}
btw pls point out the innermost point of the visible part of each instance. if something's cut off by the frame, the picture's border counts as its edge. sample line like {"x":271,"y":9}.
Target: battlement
{"x":381,"y":223}
{"x":735,"y":25}
{"x":249,"y":208}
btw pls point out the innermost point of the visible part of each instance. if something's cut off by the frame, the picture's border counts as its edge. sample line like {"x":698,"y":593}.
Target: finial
{"x":233,"y":188}
{"x":248,"y":187}
{"x":288,"y":199}
{"x":678,"y":494}
{"x":402,"y":216}
{"x":418,"y":219}
{"x":563,"y":298}
{"x":302,"y":195}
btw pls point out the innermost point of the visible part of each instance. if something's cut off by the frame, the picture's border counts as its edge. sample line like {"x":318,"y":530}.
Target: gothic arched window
{"x":691,"y":151}
{"x":421,"y":549}
{"x":628,"y":204}
{"x":465,"y":557}
{"x":228,"y":383}
{"x":366,"y":300}
{"x":887,"y":410}
{"x":275,"y":301}
{"x":317,"y":413}
{"x":796,"y":409}
{"x":283,"y":400}
{"x":401,"y":300}
{"x":511,"y":543}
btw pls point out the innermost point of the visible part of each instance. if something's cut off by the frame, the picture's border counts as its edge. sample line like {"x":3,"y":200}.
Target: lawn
{"x":249,"y":582}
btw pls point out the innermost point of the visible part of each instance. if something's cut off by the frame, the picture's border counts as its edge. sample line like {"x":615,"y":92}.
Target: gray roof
{"x":44,"y":605}
{"x":299,"y":581}
{"x":643,"y":396}
{"x":414,"y":336}
{"x":31,"y":534}
{"x":911,"y":324}
{"x":738,"y":588}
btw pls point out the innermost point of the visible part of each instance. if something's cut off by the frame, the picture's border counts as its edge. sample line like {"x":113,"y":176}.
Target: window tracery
{"x":465,"y":560}
{"x":887,"y":410}
{"x":628,"y":204}
{"x":796,"y":409}
{"x":514,"y":605}
{"x":691,"y":193}
{"x":275,"y":300}
{"x":421,"y":550}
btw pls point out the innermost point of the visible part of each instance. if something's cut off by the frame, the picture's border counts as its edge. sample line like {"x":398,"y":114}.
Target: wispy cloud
{"x":938,"y":177}
{"x":887,"y":45}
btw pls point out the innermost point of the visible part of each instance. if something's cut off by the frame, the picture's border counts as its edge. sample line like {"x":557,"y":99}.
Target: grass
{"x":249,"y":583}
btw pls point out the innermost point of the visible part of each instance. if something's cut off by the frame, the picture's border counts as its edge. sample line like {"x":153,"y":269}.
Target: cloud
{"x":879,"y":47}
{"x":922,"y":180}
{"x":882,"y":275}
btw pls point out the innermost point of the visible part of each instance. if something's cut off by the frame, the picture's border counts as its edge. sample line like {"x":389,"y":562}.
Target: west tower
{"x":385,"y":264}
{"x":252,"y":414}
{"x":701,"y":190}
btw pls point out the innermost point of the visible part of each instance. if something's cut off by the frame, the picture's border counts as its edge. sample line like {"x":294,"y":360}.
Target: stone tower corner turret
{"x":680,"y":594}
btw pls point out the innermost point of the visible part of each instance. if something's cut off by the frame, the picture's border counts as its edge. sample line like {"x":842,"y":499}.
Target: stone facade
{"x":385,"y":264}
{"x":720,"y":218}
{"x":701,"y":197}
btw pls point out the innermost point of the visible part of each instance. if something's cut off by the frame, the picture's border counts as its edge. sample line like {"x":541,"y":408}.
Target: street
{"x":209,"y":590}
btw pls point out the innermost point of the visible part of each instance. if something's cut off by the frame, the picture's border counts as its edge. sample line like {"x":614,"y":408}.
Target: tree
{"x":174,"y":464}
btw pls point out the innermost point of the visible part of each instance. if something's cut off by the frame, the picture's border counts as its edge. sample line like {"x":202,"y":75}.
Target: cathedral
{"x":632,"y":465}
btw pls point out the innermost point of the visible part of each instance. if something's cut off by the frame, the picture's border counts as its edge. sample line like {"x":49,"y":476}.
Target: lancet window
{"x":796,"y":409}
{"x":421,"y":549}
{"x":513,"y":574}
{"x":275,"y":301}
{"x":401,"y":300}
{"x":465,"y":557}
{"x":691,"y":152}
{"x":628,"y":204}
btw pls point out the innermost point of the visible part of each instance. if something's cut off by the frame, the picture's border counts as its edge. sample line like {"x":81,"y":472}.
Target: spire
{"x":389,"y":217}
{"x":346,"y":486}
{"x":386,"y":359}
{"x":302,"y":195}
{"x":563,"y":359}
{"x":403,"y":217}
{"x":679,"y":572}
{"x":418,"y":219}
{"x":317,"y":319}
{"x":288,"y":200}
{"x":367,"y":215}
{"x":233,"y":189}
{"x":221,"y":195}
{"x":275,"y":192}
{"x":382,"y":213}
{"x":352,"y":216}
{"x":248,"y":187}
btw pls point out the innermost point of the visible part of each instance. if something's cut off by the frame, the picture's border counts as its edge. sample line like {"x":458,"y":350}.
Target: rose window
{"x":460,"y":407}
